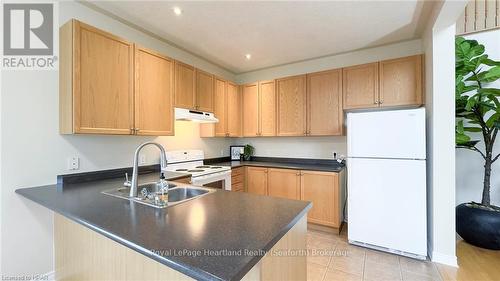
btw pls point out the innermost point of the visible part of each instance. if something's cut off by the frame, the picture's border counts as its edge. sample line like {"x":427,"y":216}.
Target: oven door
{"x":220,"y":180}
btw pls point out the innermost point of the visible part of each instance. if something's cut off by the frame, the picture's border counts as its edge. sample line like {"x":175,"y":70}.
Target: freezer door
{"x":387,"y":204}
{"x":387,"y":134}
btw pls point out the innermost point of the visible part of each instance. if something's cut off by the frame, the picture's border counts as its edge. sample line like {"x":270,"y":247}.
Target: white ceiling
{"x":274,"y":33}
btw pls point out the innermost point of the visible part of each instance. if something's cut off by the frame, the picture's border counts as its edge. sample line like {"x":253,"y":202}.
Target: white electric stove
{"x":191,"y":162}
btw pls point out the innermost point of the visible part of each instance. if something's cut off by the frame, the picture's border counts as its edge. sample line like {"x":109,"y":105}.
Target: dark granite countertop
{"x":222,"y":220}
{"x":284,"y":165}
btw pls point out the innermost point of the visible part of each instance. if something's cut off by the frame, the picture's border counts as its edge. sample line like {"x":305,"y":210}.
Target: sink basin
{"x":176,"y":194}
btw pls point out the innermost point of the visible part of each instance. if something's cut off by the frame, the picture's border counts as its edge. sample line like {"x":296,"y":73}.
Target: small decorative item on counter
{"x":235,"y":151}
{"x":248,"y":152}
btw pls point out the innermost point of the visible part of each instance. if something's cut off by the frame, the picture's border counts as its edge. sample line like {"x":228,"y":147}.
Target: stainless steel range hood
{"x":195,"y":116}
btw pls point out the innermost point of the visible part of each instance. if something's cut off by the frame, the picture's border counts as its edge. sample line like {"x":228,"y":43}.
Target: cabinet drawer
{"x":237,"y":179}
{"x":237,"y":186}
{"x":237,"y":171}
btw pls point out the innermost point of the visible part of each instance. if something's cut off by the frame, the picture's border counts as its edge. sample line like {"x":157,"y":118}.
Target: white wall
{"x":469,"y":169}
{"x":297,"y":147}
{"x":438,"y":42}
{"x":368,"y":55}
{"x":33,"y":152}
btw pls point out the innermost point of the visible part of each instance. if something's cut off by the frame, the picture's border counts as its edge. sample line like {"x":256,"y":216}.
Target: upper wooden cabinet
{"x":291,"y":98}
{"x":154,"y":88}
{"x":256,"y":180}
{"x":401,"y":82}
{"x":185,"y":86}
{"x":360,"y":86}
{"x":284,"y":183}
{"x":324,"y":103}
{"x":204,"y":91}
{"x":220,"y":108}
{"x":227,"y":109}
{"x":103,"y":91}
{"x":194,"y":88}
{"x":250,"y":108}
{"x":96,"y":81}
{"x":267,"y":109}
{"x":233,"y":110}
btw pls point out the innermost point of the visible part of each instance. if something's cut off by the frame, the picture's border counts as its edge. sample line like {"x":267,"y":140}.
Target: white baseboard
{"x":444,"y":259}
{"x":51,"y":276}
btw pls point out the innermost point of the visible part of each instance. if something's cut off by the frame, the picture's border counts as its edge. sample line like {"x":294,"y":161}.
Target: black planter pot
{"x":478,"y":226}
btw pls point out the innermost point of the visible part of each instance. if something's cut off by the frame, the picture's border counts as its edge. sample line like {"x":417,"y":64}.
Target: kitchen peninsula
{"x":220,"y":236}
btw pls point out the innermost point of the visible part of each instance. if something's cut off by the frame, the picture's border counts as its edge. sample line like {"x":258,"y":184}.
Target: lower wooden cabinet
{"x":238,"y":179}
{"x":284,"y":183}
{"x":322,"y":188}
{"x":326,"y":190}
{"x":256,"y":180}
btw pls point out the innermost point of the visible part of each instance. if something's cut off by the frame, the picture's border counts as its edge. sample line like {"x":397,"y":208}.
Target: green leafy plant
{"x":248,"y":151}
{"x":477,"y":104}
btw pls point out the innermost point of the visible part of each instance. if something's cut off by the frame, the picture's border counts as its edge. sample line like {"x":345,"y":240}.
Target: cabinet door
{"x":204,"y":91}
{"x":267,"y":102}
{"x":250,"y":95}
{"x":322,"y":189}
{"x":256,"y":179}
{"x":324,"y":103}
{"x":154,"y":89}
{"x":220,"y":108}
{"x":291,"y":96}
{"x":103,"y":79}
{"x":401,"y":81}
{"x":360,"y":86}
{"x":233,"y":110}
{"x":184,"y":86}
{"x":284,"y":183}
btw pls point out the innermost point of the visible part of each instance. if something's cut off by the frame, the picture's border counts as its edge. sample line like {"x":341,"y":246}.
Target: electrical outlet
{"x":334,"y":155}
{"x":222,"y":152}
{"x":73,"y":163}
{"x":142,"y":159}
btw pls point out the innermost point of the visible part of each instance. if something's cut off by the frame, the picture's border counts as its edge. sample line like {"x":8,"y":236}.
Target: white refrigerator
{"x":386,"y":169}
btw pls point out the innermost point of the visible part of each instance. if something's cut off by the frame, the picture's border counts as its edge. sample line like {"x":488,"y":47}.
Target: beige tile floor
{"x":332,"y":258}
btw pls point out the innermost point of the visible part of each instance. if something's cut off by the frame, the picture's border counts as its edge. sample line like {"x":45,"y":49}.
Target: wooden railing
{"x":479,"y":15}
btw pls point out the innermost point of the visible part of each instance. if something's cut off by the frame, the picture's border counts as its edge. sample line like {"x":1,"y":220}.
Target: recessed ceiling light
{"x":248,"y":56}
{"x":177,"y":11}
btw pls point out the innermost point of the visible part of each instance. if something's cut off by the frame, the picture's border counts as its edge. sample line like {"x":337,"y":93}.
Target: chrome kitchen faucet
{"x":135,"y":172}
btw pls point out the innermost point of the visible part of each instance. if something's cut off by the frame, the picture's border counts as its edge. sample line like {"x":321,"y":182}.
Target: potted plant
{"x":248,"y":152}
{"x":477,"y":112}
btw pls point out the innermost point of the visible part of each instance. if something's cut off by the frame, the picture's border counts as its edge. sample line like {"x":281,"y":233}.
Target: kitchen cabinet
{"x":96,"y":90}
{"x":291,"y":99}
{"x":227,"y":109}
{"x":325,"y":115}
{"x":204,"y":100}
{"x":284,"y":183}
{"x":326,"y":190}
{"x":322,"y":189}
{"x":233,"y":110}
{"x":153,"y":93}
{"x":238,"y":179}
{"x":220,"y":108}
{"x":185,"y":86}
{"x":267,"y":106}
{"x":360,"y":86}
{"x":256,"y":180}
{"x":250,"y":108}
{"x":401,"y":82}
{"x":259,"y":109}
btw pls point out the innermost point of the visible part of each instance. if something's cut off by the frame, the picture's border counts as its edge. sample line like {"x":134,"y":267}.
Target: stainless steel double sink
{"x":176,"y":194}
